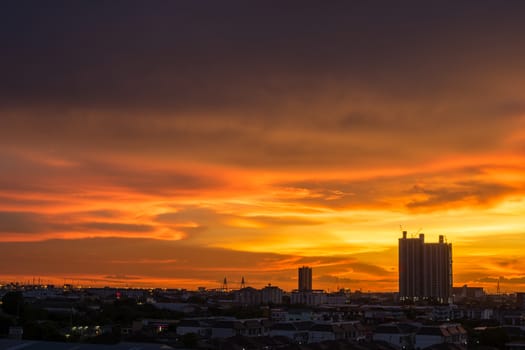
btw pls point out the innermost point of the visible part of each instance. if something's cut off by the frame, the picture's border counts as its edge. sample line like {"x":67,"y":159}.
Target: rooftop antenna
{"x":415,"y":234}
{"x":243,"y":285}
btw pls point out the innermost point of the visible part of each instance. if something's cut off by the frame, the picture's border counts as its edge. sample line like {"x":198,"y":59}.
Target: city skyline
{"x":173,"y":144}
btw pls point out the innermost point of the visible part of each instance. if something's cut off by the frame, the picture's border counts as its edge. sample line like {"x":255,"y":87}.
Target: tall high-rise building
{"x":411,"y":266}
{"x":305,"y":279}
{"x":425,"y":269}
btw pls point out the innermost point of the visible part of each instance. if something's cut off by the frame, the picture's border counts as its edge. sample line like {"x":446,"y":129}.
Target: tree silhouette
{"x":13,"y":303}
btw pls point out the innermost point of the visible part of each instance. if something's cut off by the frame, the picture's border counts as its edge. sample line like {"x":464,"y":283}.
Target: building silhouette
{"x":425,"y":269}
{"x":305,"y":279}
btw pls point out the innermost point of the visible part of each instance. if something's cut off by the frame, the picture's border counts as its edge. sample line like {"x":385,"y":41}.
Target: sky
{"x":173,"y":144}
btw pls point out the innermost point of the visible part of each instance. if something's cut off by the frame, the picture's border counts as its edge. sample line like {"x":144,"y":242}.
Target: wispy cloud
{"x":220,"y":134}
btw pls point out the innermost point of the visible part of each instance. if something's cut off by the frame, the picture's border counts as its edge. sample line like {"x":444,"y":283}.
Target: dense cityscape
{"x":426,"y":313}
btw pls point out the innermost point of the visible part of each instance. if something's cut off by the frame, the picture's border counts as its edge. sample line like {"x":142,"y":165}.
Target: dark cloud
{"x":188,"y":214}
{"x":23,"y":222}
{"x":284,"y":220}
{"x":101,"y":213}
{"x":178,"y":53}
{"x":381,"y":189}
{"x":19,"y":175}
{"x":348,"y":264}
{"x":326,"y":86}
{"x":152,"y":181}
{"x":349,"y":281}
{"x":118,"y":257}
{"x":121,"y":277}
{"x":337,"y":280}
{"x":206,"y":217}
{"x":35,"y":223}
{"x":13,"y":202}
{"x":371,"y":269}
{"x":506,"y":262}
{"x":111,"y":227}
{"x":462,"y":193}
{"x":501,"y":279}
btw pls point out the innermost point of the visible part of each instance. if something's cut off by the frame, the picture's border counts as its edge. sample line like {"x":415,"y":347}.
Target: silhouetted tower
{"x":305,"y":279}
{"x":224,"y":287}
{"x":243,"y":285}
{"x":411,"y":266}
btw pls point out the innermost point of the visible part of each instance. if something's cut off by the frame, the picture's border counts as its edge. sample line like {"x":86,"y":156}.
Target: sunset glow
{"x":178,"y":145}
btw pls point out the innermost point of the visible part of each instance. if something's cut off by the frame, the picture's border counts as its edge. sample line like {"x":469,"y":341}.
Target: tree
{"x":495,"y":336}
{"x":46,"y":330}
{"x":190,"y":340}
{"x":5,"y":323}
{"x":13,"y":303}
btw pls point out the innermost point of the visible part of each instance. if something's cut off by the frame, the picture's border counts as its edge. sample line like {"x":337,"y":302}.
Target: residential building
{"x":400,"y":335}
{"x":425,"y":269}
{"x":271,"y":295}
{"x":325,"y":331}
{"x":311,"y":298}
{"x":251,"y":296}
{"x":305,"y":279}
{"x":427,"y":336}
{"x":466,"y":292}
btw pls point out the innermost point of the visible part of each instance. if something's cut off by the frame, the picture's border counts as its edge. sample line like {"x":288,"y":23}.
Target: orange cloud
{"x":257,"y":153}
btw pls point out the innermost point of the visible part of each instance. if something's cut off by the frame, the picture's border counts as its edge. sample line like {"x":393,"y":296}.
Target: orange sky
{"x":175,"y":146}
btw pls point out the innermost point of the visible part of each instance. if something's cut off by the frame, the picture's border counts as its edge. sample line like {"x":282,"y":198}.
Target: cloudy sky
{"x":178,"y":143}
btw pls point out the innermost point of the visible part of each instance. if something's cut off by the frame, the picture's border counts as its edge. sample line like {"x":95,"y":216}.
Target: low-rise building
{"x":227,"y":328}
{"x":296,"y":331}
{"x":353,"y":330}
{"x":271,"y":295}
{"x":266,"y":296}
{"x":466,"y":292}
{"x":399,"y":335}
{"x":325,"y":331}
{"x":197,"y":326}
{"x":311,"y":298}
{"x":443,"y":334}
